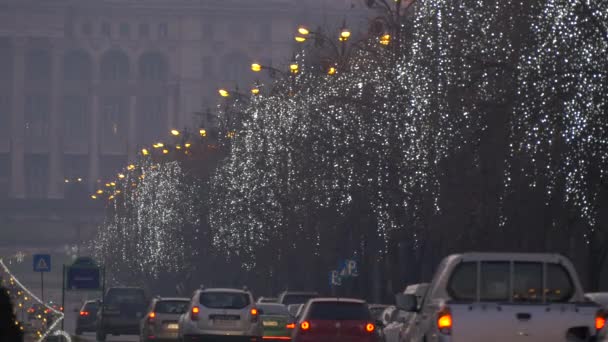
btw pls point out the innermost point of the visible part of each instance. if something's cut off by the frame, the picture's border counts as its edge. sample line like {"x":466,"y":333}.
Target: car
{"x":221,"y":313}
{"x":267,"y":300}
{"x":296,"y":297}
{"x":121,"y":312}
{"x":36,"y":311}
{"x":294,"y":309}
{"x":392,"y":330}
{"x":161,"y":322}
{"x":502,"y":297}
{"x":600,"y":298}
{"x":87,"y":317}
{"x":335,"y":319}
{"x":277,"y":323}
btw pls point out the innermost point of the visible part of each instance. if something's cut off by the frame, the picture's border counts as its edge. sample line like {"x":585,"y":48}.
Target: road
{"x":70,"y":327}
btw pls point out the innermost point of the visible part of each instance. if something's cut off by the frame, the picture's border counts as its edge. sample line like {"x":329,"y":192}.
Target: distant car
{"x":296,"y":297}
{"x":293,"y":309}
{"x":335,"y":319}
{"x":87,"y":317}
{"x":36,"y":311}
{"x":220,"y":313}
{"x":277,"y":323}
{"x":267,"y":300}
{"x":161,"y":320}
{"x":121,"y":312}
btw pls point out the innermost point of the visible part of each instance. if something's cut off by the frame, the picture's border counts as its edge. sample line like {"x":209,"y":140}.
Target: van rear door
{"x":504,"y":301}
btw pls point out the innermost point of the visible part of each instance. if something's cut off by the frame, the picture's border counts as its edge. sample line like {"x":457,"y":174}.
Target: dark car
{"x":296,"y":297}
{"x":335,"y":319}
{"x":121,"y":312}
{"x":87,"y":317}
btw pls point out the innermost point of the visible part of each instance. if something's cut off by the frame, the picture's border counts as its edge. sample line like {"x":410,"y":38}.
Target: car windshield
{"x":91,"y":307}
{"x":297,"y":298}
{"x":224,"y":300}
{"x":171,"y":307}
{"x":125,"y":296}
{"x":339,"y":311}
{"x":273,"y":309}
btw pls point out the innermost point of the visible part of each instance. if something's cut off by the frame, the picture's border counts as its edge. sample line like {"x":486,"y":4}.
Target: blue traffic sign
{"x":83,"y":278}
{"x":42,"y":263}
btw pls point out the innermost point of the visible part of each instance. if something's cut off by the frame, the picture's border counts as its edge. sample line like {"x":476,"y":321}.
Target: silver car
{"x":161,"y":321}
{"x":227,"y":313}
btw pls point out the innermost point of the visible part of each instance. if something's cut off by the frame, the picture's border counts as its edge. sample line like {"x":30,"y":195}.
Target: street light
{"x":256,"y":67}
{"x":224,"y":93}
{"x":385,"y":39}
{"x":255,"y":90}
{"x":344,"y":34}
{"x":145,"y":151}
{"x":294,"y":68}
{"x":332,"y":71}
{"x":174,"y":132}
{"x":303,"y":31}
{"x":121,"y":175}
{"x":300,"y":39}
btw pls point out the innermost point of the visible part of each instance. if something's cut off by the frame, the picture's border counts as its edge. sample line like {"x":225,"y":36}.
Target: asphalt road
{"x":70,"y":327}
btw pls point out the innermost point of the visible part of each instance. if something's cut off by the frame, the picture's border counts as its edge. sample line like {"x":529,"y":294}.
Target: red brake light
{"x":369,"y":327}
{"x":254,"y":312}
{"x":290,"y":326}
{"x":444,"y":321}
{"x":600,"y":321}
{"x":305,"y":326}
{"x":84,"y":313}
{"x":194,"y":313}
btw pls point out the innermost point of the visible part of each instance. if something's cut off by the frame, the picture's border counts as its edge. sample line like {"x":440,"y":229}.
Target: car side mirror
{"x":407,"y":302}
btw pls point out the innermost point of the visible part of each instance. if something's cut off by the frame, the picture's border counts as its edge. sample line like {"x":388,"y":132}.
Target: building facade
{"x":84,"y":83}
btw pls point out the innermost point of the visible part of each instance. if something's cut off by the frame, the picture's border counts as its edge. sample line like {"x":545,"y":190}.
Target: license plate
{"x":173,"y":326}
{"x":223,"y":323}
{"x":270,"y":323}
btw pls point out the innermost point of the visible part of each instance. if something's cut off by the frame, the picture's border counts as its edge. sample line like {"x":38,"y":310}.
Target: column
{"x":56,"y":175}
{"x":17,"y":180}
{"x":132,"y":134}
{"x":94,"y":127}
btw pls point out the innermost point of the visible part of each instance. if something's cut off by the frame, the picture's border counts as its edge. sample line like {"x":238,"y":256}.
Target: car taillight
{"x":194,"y":313}
{"x":444,"y":321}
{"x":46,"y":311}
{"x":305,"y":326}
{"x":151,"y":317}
{"x":290,"y":326}
{"x":600,"y":320}
{"x":84,"y":313}
{"x":369,"y":327}
{"x":61,"y":308}
{"x":30,"y":310}
{"x":254,"y":314}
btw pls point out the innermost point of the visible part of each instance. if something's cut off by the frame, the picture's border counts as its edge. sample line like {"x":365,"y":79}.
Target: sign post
{"x":42,"y":264}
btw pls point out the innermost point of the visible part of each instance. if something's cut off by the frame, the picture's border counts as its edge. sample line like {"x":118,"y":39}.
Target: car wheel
{"x":101,"y":335}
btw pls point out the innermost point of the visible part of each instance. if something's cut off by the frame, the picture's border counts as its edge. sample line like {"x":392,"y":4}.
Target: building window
{"x":38,"y":65}
{"x":37,"y":176}
{"x":76,"y":66}
{"x":114,"y":118}
{"x":151,"y":111}
{"x":76,"y":169}
{"x":106,"y":29}
{"x":125,"y":30}
{"x":75,"y":119}
{"x":144,"y":30}
{"x":87,"y":29}
{"x":163,"y":30}
{"x":37,"y":116}
{"x":152,"y":67}
{"x":115,"y":66}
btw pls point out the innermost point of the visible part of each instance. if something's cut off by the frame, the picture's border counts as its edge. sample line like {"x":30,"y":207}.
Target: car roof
{"x":175,"y":299}
{"x":224,"y":290}
{"x":337,"y":299}
{"x":271,"y":304}
{"x":490,"y":256}
{"x":91,"y":301}
{"x":300,"y":293}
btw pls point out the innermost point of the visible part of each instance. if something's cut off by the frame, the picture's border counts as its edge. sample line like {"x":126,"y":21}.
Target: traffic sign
{"x":42,"y":263}
{"x":334,"y":278}
{"x":348,"y":268}
{"x":83,"y":278}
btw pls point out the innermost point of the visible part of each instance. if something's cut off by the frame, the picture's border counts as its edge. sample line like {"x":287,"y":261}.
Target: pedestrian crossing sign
{"x":42,"y":263}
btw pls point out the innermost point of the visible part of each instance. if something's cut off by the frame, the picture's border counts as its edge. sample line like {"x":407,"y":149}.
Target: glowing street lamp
{"x":344,"y":35}
{"x":385,"y":39}
{"x":332,"y":71}
{"x":303,"y":31}
{"x":174,"y":132}
{"x":256,"y":67}
{"x":294,"y":68}
{"x":121,"y":175}
{"x":202,"y":132}
{"x":224,"y":93}
{"x":255,"y":90}
{"x":300,"y":39}
{"x":145,"y":151}
{"x":131,"y":167}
